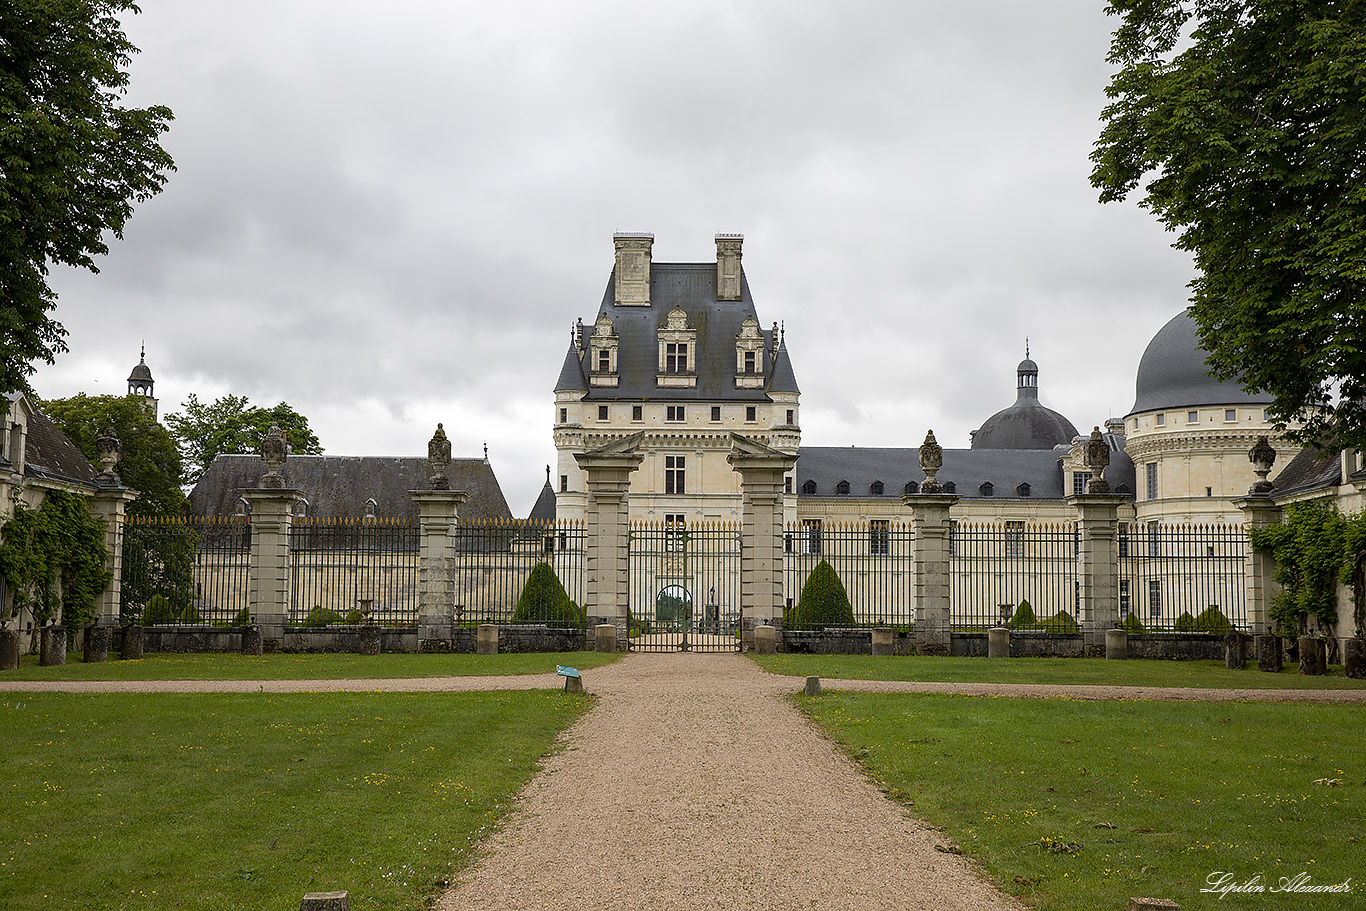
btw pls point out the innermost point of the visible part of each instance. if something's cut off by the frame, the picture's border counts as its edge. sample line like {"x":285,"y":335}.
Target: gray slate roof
{"x":338,"y":486}
{"x":544,"y":508}
{"x":49,"y":455}
{"x":690,"y":287}
{"x":1172,"y":373}
{"x":1310,"y":469}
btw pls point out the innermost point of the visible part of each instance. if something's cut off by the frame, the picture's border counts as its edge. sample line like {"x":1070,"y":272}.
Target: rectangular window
{"x":1161,"y":419}
{"x":673,"y":531}
{"x":1154,"y":540}
{"x":811,"y":536}
{"x":1155,"y":598}
{"x":673,"y":413}
{"x":787,"y":549}
{"x":1014,"y":539}
{"x":751,"y":414}
{"x":1230,"y":414}
{"x":637,"y":413}
{"x":1079,"y":482}
{"x":1192,"y":417}
{"x":790,"y":415}
{"x":953,"y":537}
{"x":1152,"y":480}
{"x":716,"y":412}
{"x":602,"y":412}
{"x":879,"y":537}
{"x":1124,"y":539}
{"x":787,"y":485}
{"x":564,"y":483}
{"x":749,"y":363}
{"x":676,"y":357}
{"x":673,"y":475}
{"x":564,"y":415}
{"x":1125,"y":602}
{"x":604,"y":360}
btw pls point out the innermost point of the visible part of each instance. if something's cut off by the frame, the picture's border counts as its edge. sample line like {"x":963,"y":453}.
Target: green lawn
{"x":248,"y":801}
{"x":1204,"y":674}
{"x":1076,"y":806}
{"x":302,"y":667}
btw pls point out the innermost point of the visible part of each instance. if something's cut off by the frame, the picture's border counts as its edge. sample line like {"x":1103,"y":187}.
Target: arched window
{"x":370,"y":507}
{"x":875,"y":488}
{"x":911,"y":487}
{"x":809,"y":489}
{"x":300,"y":507}
{"x":842,"y":489}
{"x":987,"y":489}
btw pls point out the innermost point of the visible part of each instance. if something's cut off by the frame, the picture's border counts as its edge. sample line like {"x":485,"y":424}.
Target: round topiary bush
{"x":1023,"y":618}
{"x":243,"y":618}
{"x":823,"y":602}
{"x":1185,"y":623}
{"x":158,"y":611}
{"x":190,"y":614}
{"x":544,"y":600}
{"x":321,"y":616}
{"x":1131,"y":624}
{"x":1062,"y":622}
{"x":1212,"y":620}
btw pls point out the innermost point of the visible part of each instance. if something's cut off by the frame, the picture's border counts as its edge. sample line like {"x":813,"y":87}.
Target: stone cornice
{"x":1187,"y":442}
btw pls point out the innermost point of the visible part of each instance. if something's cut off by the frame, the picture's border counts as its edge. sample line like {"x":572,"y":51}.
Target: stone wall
{"x":1027,"y":644}
{"x":347,"y":640}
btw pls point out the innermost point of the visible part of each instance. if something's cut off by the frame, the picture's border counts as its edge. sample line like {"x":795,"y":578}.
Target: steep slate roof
{"x":783,"y":378}
{"x":1310,"y":469}
{"x":49,"y":455}
{"x":1005,"y":469}
{"x":690,"y":287}
{"x":571,"y":374}
{"x":338,"y":486}
{"x":1172,"y":373}
{"x":544,"y":508}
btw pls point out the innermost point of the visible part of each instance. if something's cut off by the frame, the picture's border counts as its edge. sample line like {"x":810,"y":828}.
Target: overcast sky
{"x":389,"y":215}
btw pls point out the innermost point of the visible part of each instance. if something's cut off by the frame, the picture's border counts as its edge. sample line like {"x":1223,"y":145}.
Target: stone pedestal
{"x":1116,"y":644}
{"x":326,"y":901}
{"x":1260,"y":512}
{"x":1235,"y":651}
{"x":765,"y":640}
{"x":998,"y":642}
{"x":369,"y":640}
{"x":486,"y":639}
{"x":1354,"y":658}
{"x":1269,"y":653}
{"x":605,"y":637}
{"x":574,"y":685}
{"x":270,"y":573}
{"x":96,"y":644}
{"x":52,"y":646}
{"x":251,"y":640}
{"x":761,"y":469}
{"x":437,"y":513}
{"x":930,"y":571}
{"x":813,"y":686}
{"x":109,"y":504}
{"x":131,"y":647}
{"x":9,"y":649}
{"x":607,"y":482}
{"x":1313,"y":657}
{"x":883,"y":641}
{"x":1098,"y":576}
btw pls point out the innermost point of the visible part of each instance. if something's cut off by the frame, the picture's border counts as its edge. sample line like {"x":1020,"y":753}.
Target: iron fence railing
{"x":497,"y":566}
{"x":353,"y":571}
{"x":872,"y":560}
{"x":178,"y":569}
{"x":997,"y":568}
{"x":1183,"y":577}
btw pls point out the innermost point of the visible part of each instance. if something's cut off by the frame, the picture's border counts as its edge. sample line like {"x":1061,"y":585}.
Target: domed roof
{"x":1172,"y":373}
{"x":1027,"y":424}
{"x":141,"y":373}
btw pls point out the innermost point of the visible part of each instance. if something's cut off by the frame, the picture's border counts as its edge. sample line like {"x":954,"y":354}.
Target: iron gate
{"x":684,"y":585}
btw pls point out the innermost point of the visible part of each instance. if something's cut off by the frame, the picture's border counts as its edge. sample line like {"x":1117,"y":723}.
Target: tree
{"x":54,"y":558}
{"x":1252,"y":140}
{"x":232,"y":425}
{"x":151,"y":461}
{"x":72,"y":161}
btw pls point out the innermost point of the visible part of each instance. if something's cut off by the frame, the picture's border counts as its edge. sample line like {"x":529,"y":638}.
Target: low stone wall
{"x":519,"y":638}
{"x":184,"y":638}
{"x":1023,"y":644}
{"x":350,"y":640}
{"x":1177,"y":646}
{"x":826,"y":642}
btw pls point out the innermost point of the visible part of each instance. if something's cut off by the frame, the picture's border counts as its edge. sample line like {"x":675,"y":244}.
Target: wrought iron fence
{"x":497,"y":567}
{"x":684,"y":586}
{"x":871,"y":559}
{"x":997,"y":568}
{"x":353,"y":570}
{"x":1183,"y":577}
{"x":178,"y":569}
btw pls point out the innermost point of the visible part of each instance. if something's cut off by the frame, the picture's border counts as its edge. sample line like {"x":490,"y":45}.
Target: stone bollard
{"x":765,"y":640}
{"x":52,"y":646}
{"x":130,"y":648}
{"x":96,"y":644}
{"x":574,"y":685}
{"x":252,"y":644}
{"x":998,"y":642}
{"x":1269,"y":653}
{"x":1153,"y":904}
{"x":9,"y":649}
{"x":1313,"y":661}
{"x":813,"y":686}
{"x":1116,"y":644}
{"x":1235,"y":651}
{"x":1353,"y":658}
{"x":605,"y":638}
{"x":326,"y":901}
{"x":883,"y":641}
{"x":370,"y":639}
{"x":486,"y":639}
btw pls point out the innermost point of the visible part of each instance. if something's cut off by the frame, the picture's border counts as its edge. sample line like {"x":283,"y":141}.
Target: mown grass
{"x":1075,"y":806}
{"x":1063,"y":671}
{"x":303,"y":667}
{"x":249,"y":801}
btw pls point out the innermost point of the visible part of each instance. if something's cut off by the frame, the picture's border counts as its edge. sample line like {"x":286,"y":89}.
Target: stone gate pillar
{"x":1260,"y":511}
{"x":1097,"y":567}
{"x":109,"y":504}
{"x":607,"y":479}
{"x":930,"y":530}
{"x":271,"y":520}
{"x":761,"y":470}
{"x":437,"y":511}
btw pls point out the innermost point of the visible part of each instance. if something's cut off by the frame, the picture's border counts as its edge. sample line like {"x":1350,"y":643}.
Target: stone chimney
{"x":728,"y":266}
{"x":633,"y":269}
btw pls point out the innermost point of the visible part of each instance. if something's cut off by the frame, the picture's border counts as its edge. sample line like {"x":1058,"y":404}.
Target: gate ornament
{"x":1097,"y":460}
{"x":439,"y":459}
{"x":1262,"y":455}
{"x":931,"y":460}
{"x":274,"y":451}
{"x":110,"y":450}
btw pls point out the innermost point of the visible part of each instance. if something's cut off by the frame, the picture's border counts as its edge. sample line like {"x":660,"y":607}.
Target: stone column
{"x":437,"y":512}
{"x":761,"y":470}
{"x":1098,"y":568}
{"x":607,"y":479}
{"x":1260,"y":511}
{"x":109,"y":505}
{"x":271,"y":520}
{"x":930,"y":571}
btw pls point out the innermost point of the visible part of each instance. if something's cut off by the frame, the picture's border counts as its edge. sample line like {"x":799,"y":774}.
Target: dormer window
{"x":677,"y":358}
{"x":604,"y":361}
{"x":951,"y":487}
{"x":603,"y":345}
{"x":749,"y":363}
{"x":987,"y":489}
{"x":749,"y":355}
{"x":875,"y":488}
{"x":809,"y":488}
{"x":1022,"y":490}
{"x":842,"y":489}
{"x":910,"y":488}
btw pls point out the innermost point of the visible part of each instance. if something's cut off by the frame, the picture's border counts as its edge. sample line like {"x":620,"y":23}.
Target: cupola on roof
{"x":141,"y":373}
{"x":1172,"y":373}
{"x":1027,"y":424}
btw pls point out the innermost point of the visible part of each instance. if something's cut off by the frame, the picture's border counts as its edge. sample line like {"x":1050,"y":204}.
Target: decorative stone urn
{"x":1262,"y":455}
{"x":1097,"y":460}
{"x":274,"y":451}
{"x":438,"y":460}
{"x":931,"y":460}
{"x":110,"y":450}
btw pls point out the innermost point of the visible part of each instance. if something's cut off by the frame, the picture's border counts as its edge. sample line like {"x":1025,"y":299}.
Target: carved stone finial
{"x":931,"y":460}
{"x":110,"y":450}
{"x":438,"y":460}
{"x":1262,"y":455}
{"x":274,"y":451}
{"x":1097,"y":460}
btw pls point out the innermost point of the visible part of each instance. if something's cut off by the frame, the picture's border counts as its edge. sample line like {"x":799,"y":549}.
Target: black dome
{"x":1172,"y":373}
{"x":1027,"y":424}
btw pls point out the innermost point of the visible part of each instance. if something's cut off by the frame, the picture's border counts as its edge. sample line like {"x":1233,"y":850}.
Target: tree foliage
{"x":1247,"y":120}
{"x":1315,"y":548}
{"x":823,"y":602}
{"x":232,"y":425}
{"x":73,"y":160}
{"x":544,"y":600}
{"x":151,"y":461}
{"x":54,"y":558}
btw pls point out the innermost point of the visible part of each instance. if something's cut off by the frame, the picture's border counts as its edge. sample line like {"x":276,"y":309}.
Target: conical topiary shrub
{"x":544,"y":600}
{"x":1131,"y":624}
{"x":1023,"y":618}
{"x":1185,"y":623}
{"x":1212,"y":620}
{"x":1062,"y":622}
{"x":823,"y":602}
